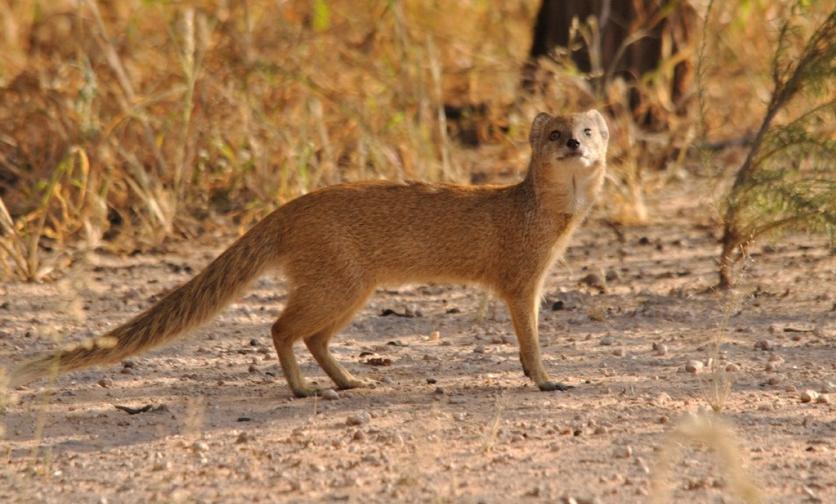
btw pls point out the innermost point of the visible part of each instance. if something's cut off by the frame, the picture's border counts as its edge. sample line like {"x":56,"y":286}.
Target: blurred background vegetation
{"x":128,"y":123}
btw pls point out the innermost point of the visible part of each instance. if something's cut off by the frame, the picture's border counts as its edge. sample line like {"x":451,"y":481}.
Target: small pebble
{"x":660,"y":348}
{"x":358,"y":419}
{"x":809,"y":396}
{"x":694,"y":366}
{"x":597,"y":313}
{"x":161,"y":466}
{"x":732,"y":368}
{"x":243,"y":438}
{"x":200,"y":446}
{"x":595,"y":280}
{"x":764,"y":345}
{"x":330,"y":394}
{"x":619,"y":352}
{"x":435,"y":336}
{"x":105,"y":382}
{"x":606,"y":341}
{"x":534,"y":492}
{"x":663,"y":398}
{"x":623,"y":452}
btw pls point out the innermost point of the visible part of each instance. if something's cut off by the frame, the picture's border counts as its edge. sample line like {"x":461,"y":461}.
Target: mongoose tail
{"x":183,"y":309}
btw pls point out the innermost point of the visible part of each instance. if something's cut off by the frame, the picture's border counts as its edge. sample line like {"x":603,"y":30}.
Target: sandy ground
{"x":452,"y":418}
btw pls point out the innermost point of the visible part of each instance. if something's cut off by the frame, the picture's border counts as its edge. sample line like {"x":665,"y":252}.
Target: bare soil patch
{"x":452,"y":418}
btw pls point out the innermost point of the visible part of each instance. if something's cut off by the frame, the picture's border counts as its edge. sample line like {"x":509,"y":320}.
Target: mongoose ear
{"x":537,"y":128}
{"x":601,"y":122}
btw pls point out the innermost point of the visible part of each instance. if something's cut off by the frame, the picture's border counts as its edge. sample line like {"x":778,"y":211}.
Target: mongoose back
{"x":335,"y":245}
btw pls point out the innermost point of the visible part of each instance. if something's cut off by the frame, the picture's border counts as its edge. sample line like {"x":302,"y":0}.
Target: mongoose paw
{"x":357,"y":383}
{"x":307,"y":391}
{"x":550,"y":386}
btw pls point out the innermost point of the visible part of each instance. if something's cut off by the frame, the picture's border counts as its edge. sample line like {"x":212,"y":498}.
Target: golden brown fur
{"x":337,"y":244}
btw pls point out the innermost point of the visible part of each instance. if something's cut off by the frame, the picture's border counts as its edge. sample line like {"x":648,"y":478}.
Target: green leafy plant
{"x":787,"y":178}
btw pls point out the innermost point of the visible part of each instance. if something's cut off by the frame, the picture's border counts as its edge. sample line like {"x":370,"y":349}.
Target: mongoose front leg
{"x":523,"y":311}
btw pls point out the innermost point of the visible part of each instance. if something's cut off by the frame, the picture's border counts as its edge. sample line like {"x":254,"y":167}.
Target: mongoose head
{"x":578,"y":139}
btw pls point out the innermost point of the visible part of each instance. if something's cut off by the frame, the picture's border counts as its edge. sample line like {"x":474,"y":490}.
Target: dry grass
{"x":227,"y":111}
{"x":492,"y":430}
{"x":713,"y":432}
{"x":717,"y":384}
{"x":123,"y":124}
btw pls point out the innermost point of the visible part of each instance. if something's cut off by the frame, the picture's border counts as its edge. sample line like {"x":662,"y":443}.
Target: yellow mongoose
{"x":335,"y":245}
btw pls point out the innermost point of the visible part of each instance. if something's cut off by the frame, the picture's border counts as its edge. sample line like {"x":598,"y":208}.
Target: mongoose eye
{"x":554,"y":136}
{"x":587,"y":132}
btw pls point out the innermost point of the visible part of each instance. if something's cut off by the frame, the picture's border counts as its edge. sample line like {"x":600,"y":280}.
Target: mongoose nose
{"x":573,"y":144}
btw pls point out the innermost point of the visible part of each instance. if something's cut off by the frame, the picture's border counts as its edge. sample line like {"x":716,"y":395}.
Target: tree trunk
{"x":727,"y":261}
{"x":618,"y":20}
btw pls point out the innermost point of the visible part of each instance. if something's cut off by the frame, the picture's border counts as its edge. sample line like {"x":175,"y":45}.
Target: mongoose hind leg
{"x":301,"y":318}
{"x":318,"y":346}
{"x":315,"y":310}
{"x":284,"y":336}
{"x":318,"y":343}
